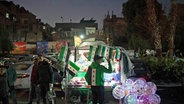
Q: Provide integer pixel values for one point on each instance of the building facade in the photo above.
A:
(67, 31)
(113, 29)
(22, 24)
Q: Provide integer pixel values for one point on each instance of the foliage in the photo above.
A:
(135, 14)
(167, 69)
(5, 44)
(138, 43)
(120, 41)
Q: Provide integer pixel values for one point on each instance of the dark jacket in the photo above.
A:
(44, 72)
(3, 82)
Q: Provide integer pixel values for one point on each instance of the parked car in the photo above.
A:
(141, 69)
(24, 69)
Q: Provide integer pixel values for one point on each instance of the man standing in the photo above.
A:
(12, 76)
(45, 78)
(34, 90)
(95, 78)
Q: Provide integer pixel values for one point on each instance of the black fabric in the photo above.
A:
(44, 73)
(44, 89)
(3, 87)
(88, 75)
(96, 57)
(97, 94)
(34, 92)
(4, 100)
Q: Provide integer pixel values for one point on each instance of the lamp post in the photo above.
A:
(82, 36)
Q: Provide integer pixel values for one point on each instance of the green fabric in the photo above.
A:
(110, 52)
(74, 66)
(62, 54)
(117, 53)
(81, 74)
(98, 50)
(90, 53)
(103, 50)
(125, 64)
(100, 70)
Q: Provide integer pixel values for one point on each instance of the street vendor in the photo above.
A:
(95, 78)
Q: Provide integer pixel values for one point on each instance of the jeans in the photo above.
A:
(34, 91)
(13, 94)
(44, 87)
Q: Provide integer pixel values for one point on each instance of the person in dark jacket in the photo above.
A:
(12, 76)
(3, 85)
(45, 78)
(34, 90)
(95, 78)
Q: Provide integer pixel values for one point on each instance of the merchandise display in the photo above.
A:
(136, 91)
(77, 65)
(110, 79)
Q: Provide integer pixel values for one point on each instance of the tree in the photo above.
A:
(172, 27)
(136, 16)
(179, 36)
(154, 27)
(5, 44)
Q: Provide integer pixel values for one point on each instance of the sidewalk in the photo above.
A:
(169, 85)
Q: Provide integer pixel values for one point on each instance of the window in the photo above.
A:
(7, 15)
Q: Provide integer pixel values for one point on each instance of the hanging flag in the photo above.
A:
(110, 52)
(118, 54)
(63, 53)
(90, 53)
(127, 65)
(98, 50)
(73, 67)
(103, 50)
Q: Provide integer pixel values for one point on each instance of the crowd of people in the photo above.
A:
(41, 80)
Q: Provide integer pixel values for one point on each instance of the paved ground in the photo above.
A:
(169, 95)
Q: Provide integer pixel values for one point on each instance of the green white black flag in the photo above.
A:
(63, 53)
(73, 67)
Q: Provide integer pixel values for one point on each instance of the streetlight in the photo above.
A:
(82, 36)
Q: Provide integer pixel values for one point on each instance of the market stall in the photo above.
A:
(77, 89)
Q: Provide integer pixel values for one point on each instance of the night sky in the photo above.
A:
(51, 11)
